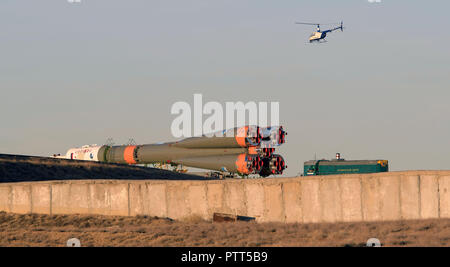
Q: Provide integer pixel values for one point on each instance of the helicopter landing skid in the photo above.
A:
(318, 42)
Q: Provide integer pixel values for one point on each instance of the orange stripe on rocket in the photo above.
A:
(128, 155)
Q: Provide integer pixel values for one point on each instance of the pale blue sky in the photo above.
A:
(74, 74)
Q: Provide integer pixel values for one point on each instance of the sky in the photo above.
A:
(79, 73)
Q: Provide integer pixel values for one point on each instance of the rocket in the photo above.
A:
(243, 150)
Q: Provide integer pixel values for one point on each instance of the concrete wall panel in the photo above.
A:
(61, 199)
(154, 197)
(429, 200)
(351, 199)
(21, 199)
(119, 202)
(215, 197)
(389, 197)
(371, 206)
(99, 200)
(409, 197)
(136, 198)
(40, 198)
(177, 201)
(235, 199)
(255, 200)
(311, 208)
(292, 202)
(198, 201)
(330, 200)
(444, 196)
(5, 194)
(79, 199)
(273, 202)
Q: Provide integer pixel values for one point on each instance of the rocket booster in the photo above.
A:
(245, 150)
(241, 163)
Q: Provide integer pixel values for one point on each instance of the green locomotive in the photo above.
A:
(342, 166)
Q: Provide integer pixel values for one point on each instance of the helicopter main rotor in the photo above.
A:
(317, 24)
(308, 23)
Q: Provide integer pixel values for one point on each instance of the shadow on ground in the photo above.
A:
(15, 168)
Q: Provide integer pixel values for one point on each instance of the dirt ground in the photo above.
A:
(45, 230)
(15, 168)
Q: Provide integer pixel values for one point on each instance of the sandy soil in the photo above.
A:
(45, 230)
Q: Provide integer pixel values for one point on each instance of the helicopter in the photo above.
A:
(319, 36)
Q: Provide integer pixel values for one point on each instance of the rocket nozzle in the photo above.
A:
(273, 165)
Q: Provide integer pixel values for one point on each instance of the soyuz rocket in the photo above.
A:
(243, 150)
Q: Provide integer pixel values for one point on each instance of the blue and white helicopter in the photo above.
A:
(319, 36)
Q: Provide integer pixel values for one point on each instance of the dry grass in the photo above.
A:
(45, 230)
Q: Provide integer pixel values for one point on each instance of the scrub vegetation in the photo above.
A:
(55, 230)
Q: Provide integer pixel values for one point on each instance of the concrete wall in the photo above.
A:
(370, 197)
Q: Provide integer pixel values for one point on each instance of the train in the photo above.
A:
(342, 166)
